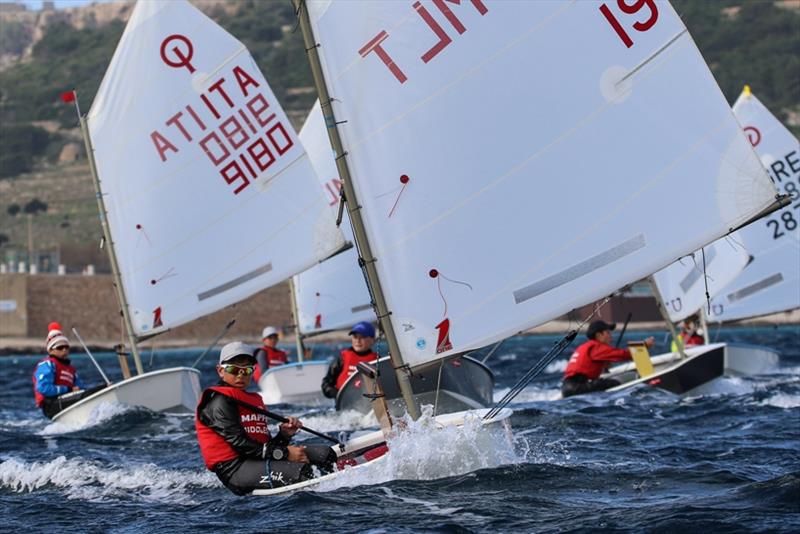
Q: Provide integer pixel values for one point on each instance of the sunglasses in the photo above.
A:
(239, 370)
(61, 347)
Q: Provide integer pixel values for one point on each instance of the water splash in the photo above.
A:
(87, 480)
(424, 450)
(103, 412)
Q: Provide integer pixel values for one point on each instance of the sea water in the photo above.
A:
(638, 460)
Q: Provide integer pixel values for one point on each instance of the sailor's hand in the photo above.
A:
(75, 388)
(649, 341)
(291, 427)
(297, 454)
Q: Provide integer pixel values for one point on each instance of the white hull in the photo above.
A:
(501, 420)
(167, 390)
(295, 383)
(702, 365)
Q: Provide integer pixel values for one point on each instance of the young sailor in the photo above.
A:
(589, 360)
(362, 337)
(234, 439)
(269, 356)
(56, 384)
(689, 336)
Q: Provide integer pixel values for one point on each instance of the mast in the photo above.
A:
(298, 337)
(112, 256)
(665, 315)
(355, 213)
(704, 325)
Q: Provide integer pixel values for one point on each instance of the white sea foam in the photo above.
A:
(103, 412)
(782, 400)
(344, 420)
(82, 479)
(531, 394)
(557, 366)
(423, 451)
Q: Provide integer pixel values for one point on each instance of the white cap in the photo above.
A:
(269, 331)
(55, 338)
(234, 349)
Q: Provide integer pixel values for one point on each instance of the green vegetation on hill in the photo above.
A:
(753, 42)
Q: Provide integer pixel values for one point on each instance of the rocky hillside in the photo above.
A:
(43, 53)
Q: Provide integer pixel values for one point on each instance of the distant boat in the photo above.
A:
(205, 193)
(770, 283)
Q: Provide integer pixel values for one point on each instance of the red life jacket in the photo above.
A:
(64, 376)
(275, 357)
(349, 361)
(213, 447)
(591, 359)
(691, 340)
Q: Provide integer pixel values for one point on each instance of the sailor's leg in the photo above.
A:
(261, 474)
(322, 457)
(602, 384)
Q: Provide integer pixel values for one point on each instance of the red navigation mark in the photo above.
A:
(443, 343)
(157, 318)
(403, 180)
(184, 58)
(753, 135)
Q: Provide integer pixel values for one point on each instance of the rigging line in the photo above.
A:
(705, 280)
(542, 364)
(438, 388)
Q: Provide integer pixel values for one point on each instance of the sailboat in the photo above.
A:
(502, 163)
(333, 296)
(682, 291)
(770, 283)
(201, 184)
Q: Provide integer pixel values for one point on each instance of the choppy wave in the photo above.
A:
(77, 478)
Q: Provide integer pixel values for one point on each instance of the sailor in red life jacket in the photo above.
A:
(56, 384)
(269, 356)
(362, 337)
(235, 441)
(589, 360)
(689, 336)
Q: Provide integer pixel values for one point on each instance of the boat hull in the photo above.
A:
(702, 365)
(294, 383)
(176, 390)
(463, 384)
(372, 440)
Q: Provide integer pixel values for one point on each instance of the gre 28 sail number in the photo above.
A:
(786, 172)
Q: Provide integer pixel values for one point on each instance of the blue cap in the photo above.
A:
(364, 328)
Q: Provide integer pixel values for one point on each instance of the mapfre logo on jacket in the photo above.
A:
(213, 447)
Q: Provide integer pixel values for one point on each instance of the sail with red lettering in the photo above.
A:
(771, 281)
(516, 160)
(331, 295)
(210, 195)
(687, 285)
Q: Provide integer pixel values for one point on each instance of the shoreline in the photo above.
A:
(23, 346)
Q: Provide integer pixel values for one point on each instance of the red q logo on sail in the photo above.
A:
(181, 55)
(753, 135)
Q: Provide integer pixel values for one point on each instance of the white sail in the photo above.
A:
(331, 295)
(516, 160)
(683, 284)
(771, 282)
(210, 196)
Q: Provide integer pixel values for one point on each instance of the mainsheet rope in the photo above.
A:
(540, 365)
